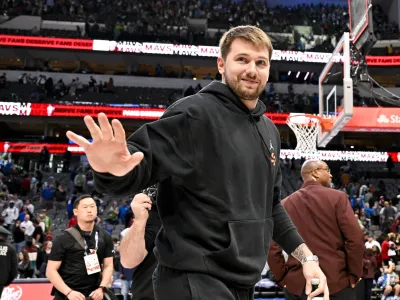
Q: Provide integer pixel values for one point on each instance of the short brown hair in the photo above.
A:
(250, 33)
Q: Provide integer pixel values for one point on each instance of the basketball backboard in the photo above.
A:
(361, 25)
(336, 91)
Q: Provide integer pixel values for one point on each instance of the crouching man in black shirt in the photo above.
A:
(81, 260)
(138, 243)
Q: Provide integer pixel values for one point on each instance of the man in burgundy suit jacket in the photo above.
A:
(326, 221)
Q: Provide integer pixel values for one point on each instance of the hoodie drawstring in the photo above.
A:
(237, 294)
(263, 143)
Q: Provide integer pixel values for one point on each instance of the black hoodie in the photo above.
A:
(219, 177)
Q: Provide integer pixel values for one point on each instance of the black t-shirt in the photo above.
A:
(60, 196)
(18, 235)
(39, 230)
(73, 270)
(142, 284)
(13, 186)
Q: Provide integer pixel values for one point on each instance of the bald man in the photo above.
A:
(325, 219)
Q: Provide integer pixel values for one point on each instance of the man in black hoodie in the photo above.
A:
(216, 159)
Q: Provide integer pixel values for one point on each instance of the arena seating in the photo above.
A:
(138, 21)
(147, 96)
(155, 97)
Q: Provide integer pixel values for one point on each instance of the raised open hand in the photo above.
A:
(108, 153)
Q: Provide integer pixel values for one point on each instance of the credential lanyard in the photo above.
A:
(97, 242)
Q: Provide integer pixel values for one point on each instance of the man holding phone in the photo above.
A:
(137, 245)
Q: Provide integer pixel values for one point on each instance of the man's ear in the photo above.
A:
(314, 176)
(221, 65)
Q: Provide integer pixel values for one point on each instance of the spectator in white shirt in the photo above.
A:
(29, 206)
(371, 242)
(27, 226)
(10, 215)
(363, 189)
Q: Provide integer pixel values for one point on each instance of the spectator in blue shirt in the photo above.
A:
(105, 227)
(368, 210)
(357, 203)
(22, 214)
(48, 196)
(123, 209)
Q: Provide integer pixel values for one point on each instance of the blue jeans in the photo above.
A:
(125, 287)
(19, 246)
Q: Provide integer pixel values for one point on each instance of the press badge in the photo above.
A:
(91, 260)
(92, 264)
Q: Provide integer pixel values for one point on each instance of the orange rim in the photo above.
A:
(325, 123)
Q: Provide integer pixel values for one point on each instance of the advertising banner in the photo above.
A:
(374, 119)
(372, 156)
(11, 147)
(171, 49)
(45, 42)
(28, 291)
(380, 119)
(79, 111)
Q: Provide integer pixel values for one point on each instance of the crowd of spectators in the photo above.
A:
(379, 216)
(35, 206)
(30, 226)
(166, 21)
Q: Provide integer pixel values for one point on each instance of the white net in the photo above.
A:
(306, 130)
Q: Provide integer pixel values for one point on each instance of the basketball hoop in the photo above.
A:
(306, 128)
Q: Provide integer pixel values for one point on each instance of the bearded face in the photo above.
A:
(245, 70)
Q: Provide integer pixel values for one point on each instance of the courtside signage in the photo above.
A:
(11, 147)
(171, 49)
(45, 42)
(381, 119)
(79, 111)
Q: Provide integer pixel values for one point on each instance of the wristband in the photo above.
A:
(68, 293)
(309, 258)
